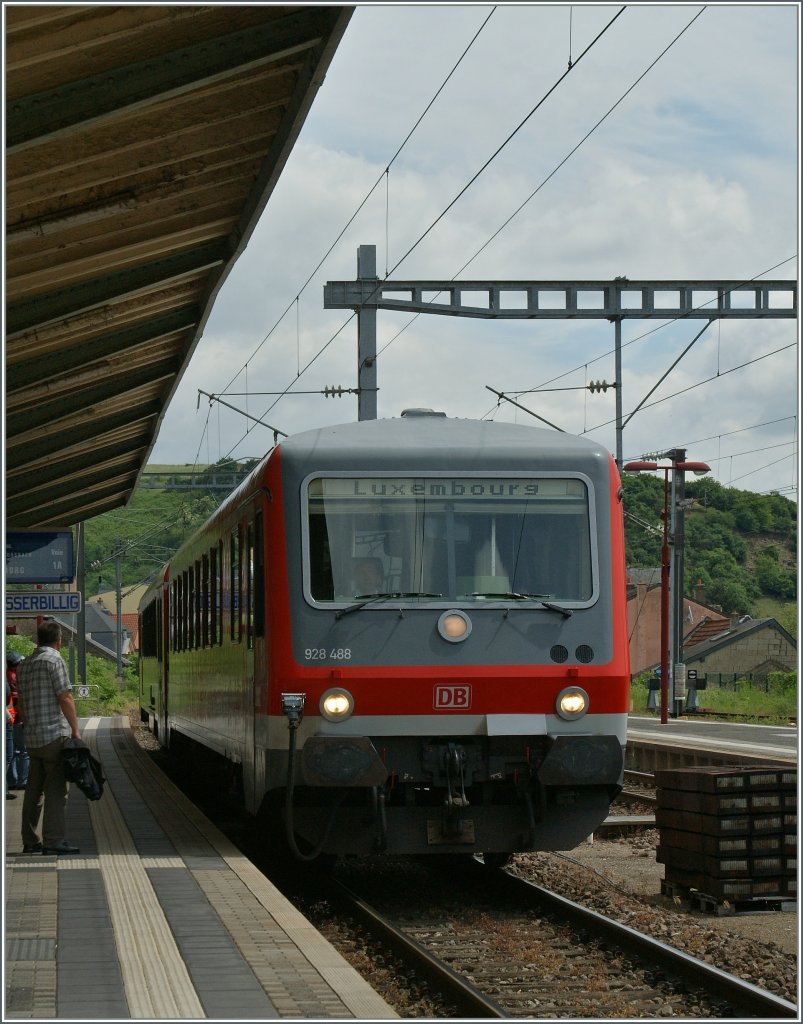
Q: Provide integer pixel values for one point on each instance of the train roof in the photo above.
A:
(430, 435)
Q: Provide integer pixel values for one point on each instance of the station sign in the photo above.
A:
(34, 556)
(42, 602)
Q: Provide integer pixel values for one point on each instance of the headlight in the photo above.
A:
(572, 703)
(454, 626)
(336, 705)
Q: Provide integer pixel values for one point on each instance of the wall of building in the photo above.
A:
(750, 653)
(644, 625)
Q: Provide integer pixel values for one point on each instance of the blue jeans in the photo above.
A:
(21, 761)
(9, 752)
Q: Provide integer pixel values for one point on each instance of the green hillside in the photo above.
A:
(150, 528)
(741, 546)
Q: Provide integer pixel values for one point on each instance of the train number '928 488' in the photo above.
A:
(404, 636)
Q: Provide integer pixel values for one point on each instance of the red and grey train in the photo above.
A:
(408, 635)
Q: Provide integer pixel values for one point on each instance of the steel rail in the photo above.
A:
(743, 996)
(452, 987)
(634, 796)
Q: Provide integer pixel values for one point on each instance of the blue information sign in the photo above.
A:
(39, 557)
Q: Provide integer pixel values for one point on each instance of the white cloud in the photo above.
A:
(693, 176)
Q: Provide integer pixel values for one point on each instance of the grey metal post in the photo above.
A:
(81, 581)
(118, 583)
(366, 339)
(678, 541)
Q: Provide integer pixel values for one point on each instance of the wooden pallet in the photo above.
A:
(727, 908)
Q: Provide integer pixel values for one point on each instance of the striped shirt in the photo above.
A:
(40, 678)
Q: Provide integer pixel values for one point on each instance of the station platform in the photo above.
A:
(159, 916)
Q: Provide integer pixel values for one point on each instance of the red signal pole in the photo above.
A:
(665, 606)
(699, 468)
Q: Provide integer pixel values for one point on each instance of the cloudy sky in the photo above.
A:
(692, 176)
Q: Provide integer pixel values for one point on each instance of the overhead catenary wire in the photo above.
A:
(187, 512)
(708, 380)
(288, 391)
(753, 472)
(509, 139)
(740, 430)
(719, 373)
(301, 371)
(365, 199)
(552, 173)
(653, 330)
(663, 377)
(588, 134)
(462, 192)
(718, 437)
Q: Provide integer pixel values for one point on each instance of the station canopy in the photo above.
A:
(142, 145)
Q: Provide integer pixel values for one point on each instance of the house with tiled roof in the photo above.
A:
(753, 647)
(131, 597)
(644, 618)
(714, 644)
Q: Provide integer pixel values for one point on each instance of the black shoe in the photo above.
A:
(11, 796)
(32, 848)
(61, 848)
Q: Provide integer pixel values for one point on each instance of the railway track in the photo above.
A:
(494, 945)
(639, 788)
(470, 979)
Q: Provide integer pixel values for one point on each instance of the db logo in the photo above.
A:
(453, 697)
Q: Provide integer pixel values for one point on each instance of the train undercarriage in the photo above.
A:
(481, 795)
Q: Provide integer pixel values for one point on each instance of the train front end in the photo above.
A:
(452, 675)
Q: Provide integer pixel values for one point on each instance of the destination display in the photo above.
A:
(39, 557)
(499, 488)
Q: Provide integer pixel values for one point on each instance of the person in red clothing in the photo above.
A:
(11, 715)
(20, 761)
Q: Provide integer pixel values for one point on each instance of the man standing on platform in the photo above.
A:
(47, 710)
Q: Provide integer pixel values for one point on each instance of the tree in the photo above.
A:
(730, 595)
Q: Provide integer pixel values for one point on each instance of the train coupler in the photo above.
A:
(450, 829)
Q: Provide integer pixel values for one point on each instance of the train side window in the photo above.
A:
(182, 642)
(148, 643)
(199, 605)
(191, 608)
(219, 592)
(191, 600)
(180, 614)
(189, 587)
(173, 607)
(249, 600)
(213, 597)
(259, 577)
(205, 601)
(234, 569)
(157, 628)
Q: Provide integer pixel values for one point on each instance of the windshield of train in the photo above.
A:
(466, 539)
